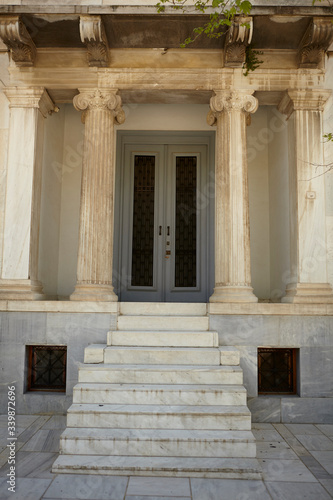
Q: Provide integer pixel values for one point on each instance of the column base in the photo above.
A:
(11, 289)
(308, 293)
(233, 294)
(94, 293)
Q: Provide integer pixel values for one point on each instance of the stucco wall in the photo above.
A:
(70, 200)
(51, 203)
(258, 165)
(279, 204)
(4, 124)
(328, 148)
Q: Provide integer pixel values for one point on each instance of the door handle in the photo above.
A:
(160, 230)
(168, 230)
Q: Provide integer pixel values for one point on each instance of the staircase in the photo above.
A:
(161, 398)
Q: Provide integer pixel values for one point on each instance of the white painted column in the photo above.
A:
(94, 267)
(19, 275)
(229, 112)
(308, 250)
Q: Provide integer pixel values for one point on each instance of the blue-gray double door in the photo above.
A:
(164, 230)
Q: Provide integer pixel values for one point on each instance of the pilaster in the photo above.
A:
(94, 267)
(307, 197)
(229, 111)
(28, 109)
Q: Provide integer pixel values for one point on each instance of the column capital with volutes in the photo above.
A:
(228, 101)
(100, 99)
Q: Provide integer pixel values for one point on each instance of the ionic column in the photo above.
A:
(19, 270)
(94, 267)
(232, 228)
(308, 254)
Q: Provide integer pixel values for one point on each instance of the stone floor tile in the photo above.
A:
(314, 466)
(31, 430)
(327, 429)
(228, 489)
(88, 487)
(267, 435)
(297, 491)
(167, 486)
(44, 440)
(56, 422)
(3, 420)
(328, 485)
(4, 434)
(32, 464)
(315, 442)
(262, 425)
(305, 429)
(140, 497)
(26, 489)
(325, 458)
(27, 420)
(285, 470)
(4, 457)
(291, 440)
(275, 449)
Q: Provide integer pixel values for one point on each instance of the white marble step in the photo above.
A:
(222, 468)
(159, 394)
(172, 323)
(159, 416)
(162, 374)
(163, 338)
(162, 355)
(156, 442)
(162, 309)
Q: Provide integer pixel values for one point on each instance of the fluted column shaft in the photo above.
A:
(232, 228)
(308, 254)
(94, 266)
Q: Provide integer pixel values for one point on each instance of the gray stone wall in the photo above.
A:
(312, 335)
(19, 329)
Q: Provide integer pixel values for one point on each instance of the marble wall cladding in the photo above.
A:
(249, 364)
(246, 330)
(265, 409)
(274, 331)
(313, 336)
(19, 329)
(307, 410)
(316, 367)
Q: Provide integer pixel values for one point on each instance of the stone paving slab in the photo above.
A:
(297, 463)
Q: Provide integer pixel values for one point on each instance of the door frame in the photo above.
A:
(206, 197)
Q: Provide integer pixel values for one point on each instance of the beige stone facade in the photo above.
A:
(268, 190)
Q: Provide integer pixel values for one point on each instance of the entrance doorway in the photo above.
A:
(164, 230)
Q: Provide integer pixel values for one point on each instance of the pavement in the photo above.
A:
(296, 459)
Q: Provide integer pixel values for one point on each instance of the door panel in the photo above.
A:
(164, 252)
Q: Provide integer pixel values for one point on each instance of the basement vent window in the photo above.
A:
(47, 368)
(277, 371)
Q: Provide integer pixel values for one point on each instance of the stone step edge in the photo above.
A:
(94, 353)
(179, 435)
(163, 308)
(221, 410)
(111, 386)
(172, 338)
(158, 368)
(227, 468)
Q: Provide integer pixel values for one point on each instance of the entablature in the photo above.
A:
(149, 85)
